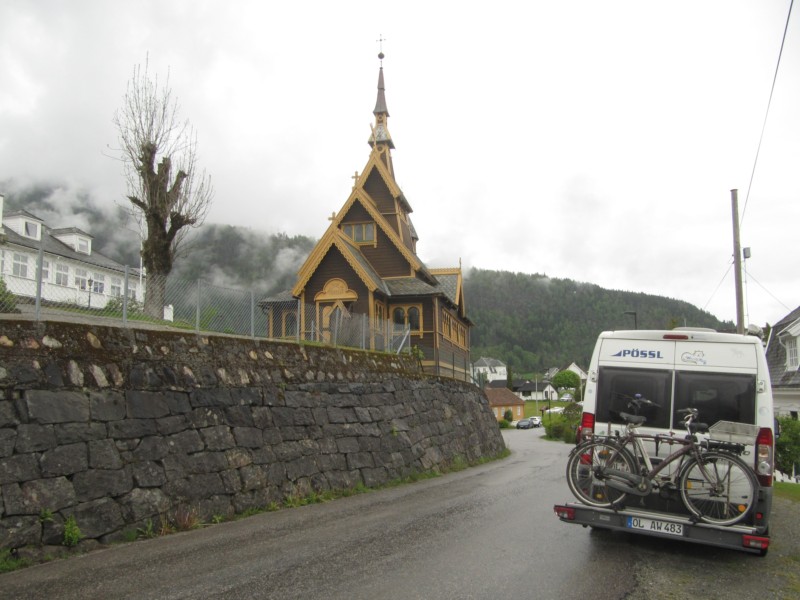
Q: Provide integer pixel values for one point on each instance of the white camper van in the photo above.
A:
(724, 376)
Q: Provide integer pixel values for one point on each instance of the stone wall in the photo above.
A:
(120, 427)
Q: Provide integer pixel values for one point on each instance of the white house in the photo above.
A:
(578, 371)
(783, 359)
(536, 390)
(72, 271)
(489, 369)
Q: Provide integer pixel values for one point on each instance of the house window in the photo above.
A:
(791, 353)
(32, 230)
(45, 270)
(83, 245)
(20, 265)
(115, 289)
(131, 290)
(407, 317)
(98, 283)
(82, 279)
(62, 275)
(361, 233)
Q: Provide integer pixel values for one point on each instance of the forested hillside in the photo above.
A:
(237, 257)
(530, 322)
(533, 322)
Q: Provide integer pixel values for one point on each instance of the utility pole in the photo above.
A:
(737, 263)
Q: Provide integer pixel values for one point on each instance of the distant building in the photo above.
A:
(73, 272)
(503, 399)
(365, 269)
(489, 369)
(783, 359)
(536, 390)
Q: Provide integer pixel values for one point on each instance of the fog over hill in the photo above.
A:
(530, 321)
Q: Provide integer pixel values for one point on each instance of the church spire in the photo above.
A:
(380, 132)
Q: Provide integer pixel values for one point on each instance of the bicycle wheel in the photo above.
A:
(719, 489)
(585, 472)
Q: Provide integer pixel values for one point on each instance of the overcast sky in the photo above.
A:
(595, 141)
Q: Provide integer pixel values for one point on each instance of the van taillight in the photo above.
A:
(586, 429)
(765, 457)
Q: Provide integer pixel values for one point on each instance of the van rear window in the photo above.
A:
(616, 386)
(717, 396)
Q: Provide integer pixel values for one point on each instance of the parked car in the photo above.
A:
(567, 398)
(537, 422)
(526, 423)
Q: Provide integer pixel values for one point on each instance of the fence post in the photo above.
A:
(125, 297)
(252, 313)
(300, 318)
(39, 265)
(197, 310)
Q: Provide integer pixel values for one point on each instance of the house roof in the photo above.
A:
(21, 213)
(53, 246)
(532, 386)
(776, 352)
(488, 362)
(66, 230)
(502, 397)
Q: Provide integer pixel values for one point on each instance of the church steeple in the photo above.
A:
(380, 131)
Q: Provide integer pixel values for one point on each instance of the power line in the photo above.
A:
(766, 115)
(770, 293)
(716, 289)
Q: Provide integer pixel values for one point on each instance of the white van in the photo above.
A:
(724, 376)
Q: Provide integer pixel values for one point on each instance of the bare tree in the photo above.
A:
(167, 193)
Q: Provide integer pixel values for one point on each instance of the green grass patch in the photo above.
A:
(9, 562)
(790, 491)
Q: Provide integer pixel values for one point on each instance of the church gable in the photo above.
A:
(336, 274)
(380, 194)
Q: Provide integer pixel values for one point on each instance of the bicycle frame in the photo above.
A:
(688, 447)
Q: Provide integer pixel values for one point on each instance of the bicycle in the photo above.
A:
(715, 485)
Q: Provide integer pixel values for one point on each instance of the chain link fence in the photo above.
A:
(131, 298)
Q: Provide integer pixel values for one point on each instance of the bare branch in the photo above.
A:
(167, 192)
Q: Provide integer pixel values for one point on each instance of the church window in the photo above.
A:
(408, 317)
(360, 233)
(290, 324)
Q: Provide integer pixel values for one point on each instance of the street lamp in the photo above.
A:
(632, 312)
(90, 293)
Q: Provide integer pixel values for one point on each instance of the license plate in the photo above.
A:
(655, 526)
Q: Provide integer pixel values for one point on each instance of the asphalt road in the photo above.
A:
(486, 532)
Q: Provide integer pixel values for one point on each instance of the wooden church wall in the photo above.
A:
(333, 266)
(386, 258)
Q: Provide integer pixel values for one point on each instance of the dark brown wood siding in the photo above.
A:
(357, 214)
(385, 258)
(379, 192)
(333, 266)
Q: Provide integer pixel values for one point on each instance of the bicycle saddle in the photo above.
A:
(632, 419)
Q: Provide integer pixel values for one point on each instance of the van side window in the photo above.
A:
(717, 396)
(615, 387)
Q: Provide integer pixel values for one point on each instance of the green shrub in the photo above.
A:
(787, 446)
(504, 424)
(8, 302)
(72, 533)
(508, 415)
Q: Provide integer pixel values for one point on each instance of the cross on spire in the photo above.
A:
(380, 41)
(354, 177)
